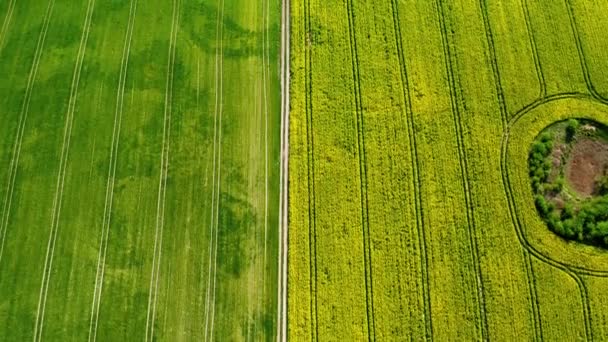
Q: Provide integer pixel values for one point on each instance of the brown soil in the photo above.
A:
(588, 162)
(556, 157)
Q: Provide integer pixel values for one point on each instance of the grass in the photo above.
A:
(410, 209)
(141, 147)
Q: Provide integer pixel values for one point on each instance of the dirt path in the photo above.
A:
(284, 174)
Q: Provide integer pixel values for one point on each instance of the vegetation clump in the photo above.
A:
(568, 165)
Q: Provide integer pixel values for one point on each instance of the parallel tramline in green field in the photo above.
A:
(140, 144)
(411, 213)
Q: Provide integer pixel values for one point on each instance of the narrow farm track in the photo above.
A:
(105, 229)
(57, 202)
(162, 186)
(282, 318)
(416, 170)
(16, 151)
(482, 317)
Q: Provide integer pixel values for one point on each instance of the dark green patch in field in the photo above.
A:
(236, 218)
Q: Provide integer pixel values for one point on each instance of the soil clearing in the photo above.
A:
(588, 162)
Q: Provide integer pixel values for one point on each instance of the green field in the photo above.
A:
(139, 191)
(411, 211)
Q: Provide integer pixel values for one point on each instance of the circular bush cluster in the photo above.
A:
(568, 214)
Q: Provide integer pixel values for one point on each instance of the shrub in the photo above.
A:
(571, 129)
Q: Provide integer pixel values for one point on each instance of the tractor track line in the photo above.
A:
(211, 325)
(367, 250)
(312, 206)
(12, 174)
(593, 91)
(6, 23)
(539, 69)
(265, 77)
(581, 53)
(214, 171)
(571, 270)
(537, 323)
(527, 255)
(162, 186)
(409, 117)
(107, 215)
(454, 87)
(493, 61)
(584, 302)
(65, 148)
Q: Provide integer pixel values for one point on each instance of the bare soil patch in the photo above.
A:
(588, 162)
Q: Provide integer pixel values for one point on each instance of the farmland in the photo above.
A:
(411, 214)
(139, 190)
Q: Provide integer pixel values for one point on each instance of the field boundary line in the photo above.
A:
(283, 281)
(13, 166)
(537, 322)
(107, 215)
(65, 149)
(409, 118)
(462, 157)
(164, 169)
(312, 206)
(6, 23)
(367, 250)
